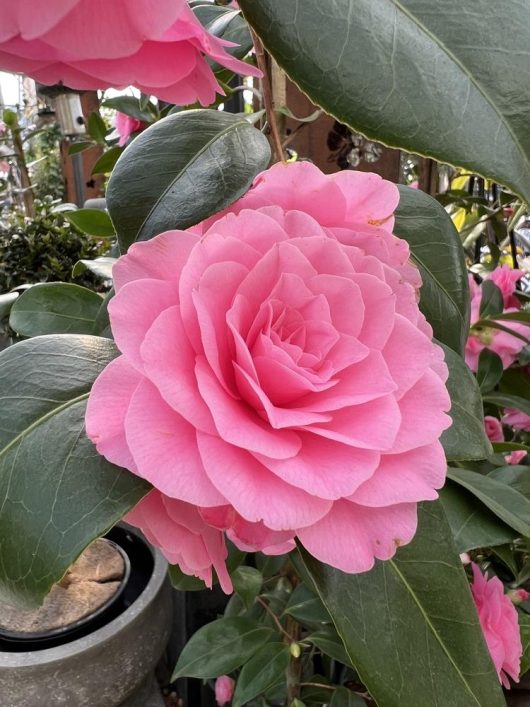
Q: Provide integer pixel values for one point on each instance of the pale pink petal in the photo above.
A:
(370, 200)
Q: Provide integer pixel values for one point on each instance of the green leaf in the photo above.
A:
(56, 493)
(490, 370)
(515, 475)
(515, 382)
(55, 308)
(508, 401)
(131, 106)
(96, 128)
(501, 447)
(6, 302)
(491, 302)
(184, 582)
(507, 503)
(524, 625)
(427, 77)
(102, 267)
(410, 626)
(312, 694)
(437, 251)
(247, 583)
(105, 164)
(328, 641)
(307, 608)
(95, 222)
(342, 697)
(220, 647)
(473, 525)
(261, 672)
(181, 170)
(77, 147)
(494, 324)
(270, 565)
(466, 438)
(228, 24)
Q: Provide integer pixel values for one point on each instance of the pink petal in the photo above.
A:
(370, 199)
(408, 344)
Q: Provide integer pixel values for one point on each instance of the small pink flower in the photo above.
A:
(515, 457)
(224, 690)
(516, 419)
(518, 596)
(493, 429)
(4, 166)
(265, 375)
(500, 626)
(159, 47)
(506, 346)
(506, 278)
(126, 126)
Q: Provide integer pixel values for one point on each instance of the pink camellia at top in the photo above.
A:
(159, 46)
(274, 370)
(500, 626)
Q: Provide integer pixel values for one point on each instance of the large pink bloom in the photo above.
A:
(505, 345)
(156, 45)
(498, 619)
(276, 367)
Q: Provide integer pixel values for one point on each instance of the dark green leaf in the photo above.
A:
(102, 267)
(247, 583)
(328, 641)
(96, 128)
(270, 566)
(77, 147)
(181, 170)
(6, 302)
(507, 503)
(312, 694)
(261, 672)
(515, 475)
(130, 106)
(220, 647)
(343, 697)
(55, 308)
(501, 447)
(307, 608)
(491, 302)
(102, 322)
(228, 24)
(105, 164)
(184, 582)
(520, 316)
(466, 438)
(490, 370)
(515, 382)
(524, 625)
(56, 493)
(508, 401)
(473, 525)
(437, 251)
(410, 625)
(95, 222)
(427, 77)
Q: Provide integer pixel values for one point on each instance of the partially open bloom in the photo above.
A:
(493, 429)
(92, 44)
(498, 619)
(506, 278)
(516, 419)
(515, 457)
(275, 367)
(126, 126)
(224, 690)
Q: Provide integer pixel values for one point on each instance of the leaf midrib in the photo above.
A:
(437, 283)
(41, 420)
(195, 157)
(397, 4)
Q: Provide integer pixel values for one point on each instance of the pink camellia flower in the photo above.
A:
(516, 419)
(500, 626)
(224, 690)
(515, 457)
(95, 44)
(506, 279)
(493, 429)
(126, 126)
(506, 346)
(274, 369)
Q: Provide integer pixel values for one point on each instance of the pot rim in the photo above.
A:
(100, 636)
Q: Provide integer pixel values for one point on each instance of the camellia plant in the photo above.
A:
(276, 389)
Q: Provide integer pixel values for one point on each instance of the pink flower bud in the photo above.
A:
(224, 689)
(517, 596)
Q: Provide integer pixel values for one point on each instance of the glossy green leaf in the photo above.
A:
(130, 106)
(508, 401)
(342, 697)
(466, 438)
(55, 308)
(473, 525)
(77, 147)
(515, 475)
(6, 302)
(95, 222)
(491, 302)
(490, 370)
(437, 251)
(328, 641)
(427, 77)
(312, 694)
(515, 382)
(181, 170)
(524, 625)
(413, 642)
(507, 503)
(261, 672)
(307, 608)
(56, 493)
(220, 647)
(102, 267)
(106, 163)
(96, 127)
(228, 24)
(247, 583)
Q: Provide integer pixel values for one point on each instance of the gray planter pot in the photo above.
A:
(109, 667)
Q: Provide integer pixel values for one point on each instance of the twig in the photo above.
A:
(276, 620)
(268, 101)
(318, 684)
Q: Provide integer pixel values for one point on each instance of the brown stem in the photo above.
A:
(318, 684)
(268, 100)
(294, 669)
(276, 620)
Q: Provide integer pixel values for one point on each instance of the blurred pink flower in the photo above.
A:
(94, 44)
(493, 429)
(516, 419)
(4, 166)
(506, 346)
(224, 690)
(515, 457)
(518, 596)
(500, 626)
(506, 279)
(126, 126)
(249, 390)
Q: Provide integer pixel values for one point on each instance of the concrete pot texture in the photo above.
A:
(110, 667)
